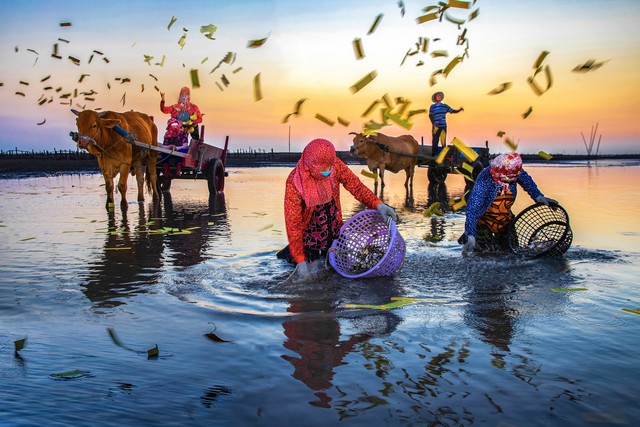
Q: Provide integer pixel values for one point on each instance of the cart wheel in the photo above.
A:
(436, 175)
(215, 176)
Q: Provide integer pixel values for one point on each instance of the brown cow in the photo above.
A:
(387, 153)
(115, 155)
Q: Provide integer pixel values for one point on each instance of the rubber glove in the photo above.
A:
(546, 201)
(386, 212)
(469, 246)
(302, 270)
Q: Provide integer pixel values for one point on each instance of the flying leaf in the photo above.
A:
(257, 90)
(183, 40)
(375, 24)
(469, 153)
(360, 84)
(195, 80)
(171, 22)
(357, 48)
(325, 119)
(253, 44)
(208, 30)
(501, 88)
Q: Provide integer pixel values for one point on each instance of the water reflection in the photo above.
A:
(498, 299)
(127, 261)
(437, 193)
(172, 234)
(205, 224)
(321, 341)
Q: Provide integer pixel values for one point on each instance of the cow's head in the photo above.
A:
(362, 145)
(92, 126)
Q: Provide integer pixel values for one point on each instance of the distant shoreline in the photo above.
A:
(81, 161)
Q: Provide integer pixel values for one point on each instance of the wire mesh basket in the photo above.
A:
(541, 230)
(367, 247)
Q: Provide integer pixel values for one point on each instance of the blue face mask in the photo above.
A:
(327, 173)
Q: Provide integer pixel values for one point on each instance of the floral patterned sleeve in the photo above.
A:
(293, 208)
(481, 197)
(354, 186)
(529, 185)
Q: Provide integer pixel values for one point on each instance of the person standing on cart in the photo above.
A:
(438, 116)
(185, 111)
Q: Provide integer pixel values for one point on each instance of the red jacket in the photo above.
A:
(297, 215)
(175, 109)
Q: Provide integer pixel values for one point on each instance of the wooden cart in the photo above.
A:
(201, 161)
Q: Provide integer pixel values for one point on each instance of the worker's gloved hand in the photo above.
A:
(131, 138)
(302, 270)
(469, 246)
(316, 267)
(387, 213)
(546, 201)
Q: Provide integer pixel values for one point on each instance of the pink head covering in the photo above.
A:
(174, 127)
(184, 99)
(505, 169)
(316, 189)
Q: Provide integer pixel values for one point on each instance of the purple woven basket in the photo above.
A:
(367, 247)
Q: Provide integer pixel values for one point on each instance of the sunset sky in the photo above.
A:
(309, 54)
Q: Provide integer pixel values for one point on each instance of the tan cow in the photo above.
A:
(115, 155)
(387, 153)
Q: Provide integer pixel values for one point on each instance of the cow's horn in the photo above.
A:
(102, 114)
(75, 112)
(353, 133)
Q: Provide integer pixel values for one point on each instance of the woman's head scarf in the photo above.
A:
(184, 99)
(174, 127)
(505, 169)
(319, 155)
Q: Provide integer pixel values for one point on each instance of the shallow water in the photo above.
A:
(489, 344)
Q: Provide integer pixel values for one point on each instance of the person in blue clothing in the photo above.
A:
(489, 205)
(438, 116)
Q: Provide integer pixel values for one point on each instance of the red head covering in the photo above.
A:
(505, 169)
(174, 127)
(184, 99)
(319, 155)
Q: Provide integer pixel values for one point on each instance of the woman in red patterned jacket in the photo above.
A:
(185, 111)
(312, 211)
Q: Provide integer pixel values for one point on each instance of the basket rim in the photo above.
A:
(393, 230)
(536, 205)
